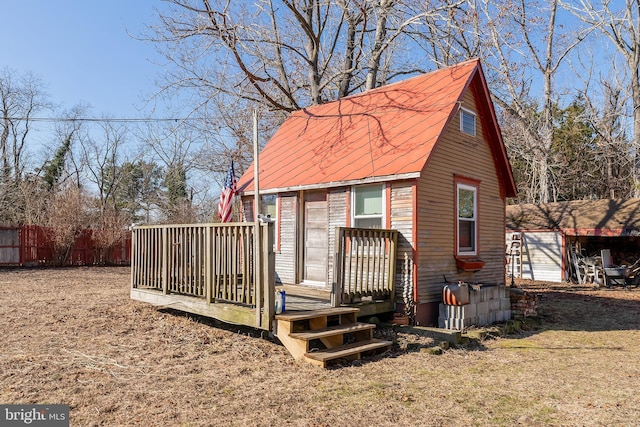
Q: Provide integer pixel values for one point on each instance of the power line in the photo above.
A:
(106, 119)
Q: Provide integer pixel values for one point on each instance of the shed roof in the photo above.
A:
(383, 134)
(608, 217)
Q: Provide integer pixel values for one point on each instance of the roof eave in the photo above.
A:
(505, 171)
(335, 184)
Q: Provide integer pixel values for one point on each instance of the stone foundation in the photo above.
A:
(487, 304)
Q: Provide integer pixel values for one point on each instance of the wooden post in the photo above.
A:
(268, 273)
(338, 265)
(208, 261)
(393, 249)
(164, 246)
(134, 258)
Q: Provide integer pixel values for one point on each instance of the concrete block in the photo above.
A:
(449, 311)
(474, 296)
(448, 324)
(456, 324)
(483, 319)
(494, 305)
(491, 292)
(505, 292)
(482, 308)
(469, 311)
(505, 303)
(456, 312)
(492, 317)
(442, 322)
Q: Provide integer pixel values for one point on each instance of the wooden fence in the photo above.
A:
(32, 245)
(365, 265)
(228, 269)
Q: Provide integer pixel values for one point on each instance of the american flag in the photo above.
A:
(225, 211)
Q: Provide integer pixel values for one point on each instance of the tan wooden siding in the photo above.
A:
(247, 209)
(402, 220)
(463, 155)
(337, 218)
(288, 227)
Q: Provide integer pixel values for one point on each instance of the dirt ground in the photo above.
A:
(73, 336)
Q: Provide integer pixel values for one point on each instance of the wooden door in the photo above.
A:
(316, 238)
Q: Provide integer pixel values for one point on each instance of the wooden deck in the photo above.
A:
(227, 272)
(224, 271)
(303, 298)
(298, 299)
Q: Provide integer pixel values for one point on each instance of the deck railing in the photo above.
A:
(220, 263)
(365, 264)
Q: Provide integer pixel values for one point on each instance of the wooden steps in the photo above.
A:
(321, 336)
(346, 350)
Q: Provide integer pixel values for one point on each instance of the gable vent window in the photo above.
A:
(468, 122)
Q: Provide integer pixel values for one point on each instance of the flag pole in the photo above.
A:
(255, 163)
(258, 278)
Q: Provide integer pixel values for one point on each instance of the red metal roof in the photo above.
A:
(382, 134)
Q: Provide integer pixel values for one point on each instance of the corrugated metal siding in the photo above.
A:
(541, 255)
(458, 154)
(386, 131)
(337, 218)
(286, 256)
(9, 246)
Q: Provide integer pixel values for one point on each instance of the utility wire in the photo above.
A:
(107, 119)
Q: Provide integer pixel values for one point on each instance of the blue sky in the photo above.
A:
(81, 50)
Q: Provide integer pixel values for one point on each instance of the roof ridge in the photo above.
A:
(388, 86)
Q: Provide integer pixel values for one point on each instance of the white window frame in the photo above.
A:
(474, 249)
(382, 215)
(464, 112)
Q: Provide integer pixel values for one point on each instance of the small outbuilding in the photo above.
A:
(555, 238)
(423, 156)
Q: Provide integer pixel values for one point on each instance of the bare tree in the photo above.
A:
(619, 22)
(175, 147)
(453, 33)
(278, 56)
(108, 231)
(528, 46)
(102, 154)
(605, 100)
(67, 216)
(21, 97)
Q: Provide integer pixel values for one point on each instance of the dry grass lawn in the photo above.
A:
(73, 336)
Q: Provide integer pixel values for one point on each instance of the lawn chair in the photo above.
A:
(613, 275)
(593, 271)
